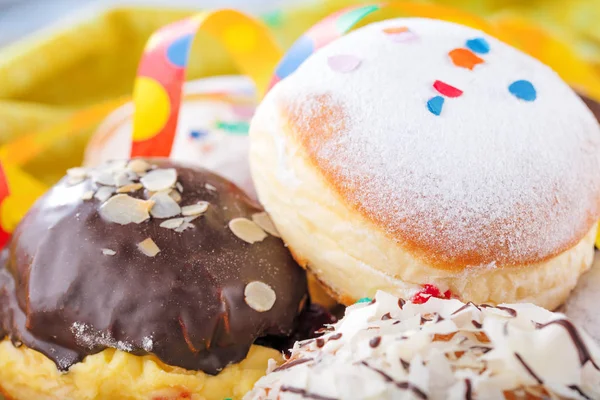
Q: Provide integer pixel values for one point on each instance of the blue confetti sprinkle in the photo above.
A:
(178, 51)
(435, 105)
(478, 45)
(198, 134)
(364, 300)
(523, 90)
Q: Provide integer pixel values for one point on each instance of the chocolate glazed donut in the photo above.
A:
(75, 284)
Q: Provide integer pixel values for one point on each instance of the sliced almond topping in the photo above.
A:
(74, 180)
(124, 209)
(179, 187)
(77, 172)
(195, 209)
(122, 179)
(172, 223)
(263, 220)
(164, 206)
(104, 193)
(175, 195)
(148, 247)
(132, 187)
(104, 177)
(208, 186)
(247, 230)
(259, 296)
(108, 252)
(186, 224)
(159, 179)
(87, 195)
(138, 166)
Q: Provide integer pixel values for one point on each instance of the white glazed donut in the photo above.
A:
(416, 152)
(443, 349)
(212, 130)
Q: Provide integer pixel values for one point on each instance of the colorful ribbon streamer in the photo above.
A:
(18, 192)
(339, 23)
(161, 74)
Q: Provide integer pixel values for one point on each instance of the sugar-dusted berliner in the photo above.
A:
(144, 280)
(424, 158)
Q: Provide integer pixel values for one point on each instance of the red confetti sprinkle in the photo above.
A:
(464, 58)
(447, 90)
(428, 292)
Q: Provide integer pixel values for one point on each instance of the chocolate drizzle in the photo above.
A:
(400, 385)
(293, 363)
(305, 394)
(582, 349)
(529, 370)
(60, 295)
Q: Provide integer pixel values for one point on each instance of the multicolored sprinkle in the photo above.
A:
(435, 104)
(478, 45)
(523, 90)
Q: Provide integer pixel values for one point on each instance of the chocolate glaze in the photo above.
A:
(185, 305)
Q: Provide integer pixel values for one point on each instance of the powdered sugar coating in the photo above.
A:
(443, 349)
(493, 180)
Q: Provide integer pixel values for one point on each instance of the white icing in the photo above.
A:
(223, 153)
(492, 175)
(440, 355)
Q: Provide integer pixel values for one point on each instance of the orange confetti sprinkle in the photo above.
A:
(395, 29)
(465, 58)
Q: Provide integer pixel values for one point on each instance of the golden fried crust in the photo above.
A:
(313, 130)
(26, 374)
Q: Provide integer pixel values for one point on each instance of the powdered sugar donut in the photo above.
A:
(443, 349)
(212, 130)
(417, 152)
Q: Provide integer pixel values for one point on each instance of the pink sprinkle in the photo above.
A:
(404, 37)
(343, 63)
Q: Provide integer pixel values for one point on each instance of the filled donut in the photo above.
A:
(426, 158)
(145, 279)
(442, 349)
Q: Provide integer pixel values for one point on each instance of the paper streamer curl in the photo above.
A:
(161, 73)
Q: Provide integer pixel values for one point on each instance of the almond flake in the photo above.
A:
(172, 223)
(263, 220)
(210, 187)
(184, 226)
(259, 296)
(195, 209)
(132, 187)
(175, 195)
(122, 179)
(104, 177)
(138, 166)
(77, 172)
(164, 206)
(124, 209)
(108, 252)
(74, 180)
(247, 230)
(179, 187)
(148, 247)
(87, 195)
(104, 193)
(159, 179)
